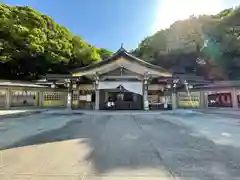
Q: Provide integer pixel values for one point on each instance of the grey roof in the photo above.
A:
(19, 84)
(223, 84)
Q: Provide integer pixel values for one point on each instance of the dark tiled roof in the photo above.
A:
(224, 84)
(55, 77)
(60, 79)
(120, 53)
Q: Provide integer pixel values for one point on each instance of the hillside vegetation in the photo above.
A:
(32, 44)
(214, 40)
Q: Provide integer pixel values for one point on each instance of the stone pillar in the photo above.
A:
(145, 95)
(69, 96)
(97, 99)
(40, 98)
(174, 96)
(202, 100)
(174, 93)
(78, 94)
(174, 100)
(97, 93)
(8, 99)
(206, 99)
(234, 98)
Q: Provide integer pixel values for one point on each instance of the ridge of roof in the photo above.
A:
(97, 63)
(121, 53)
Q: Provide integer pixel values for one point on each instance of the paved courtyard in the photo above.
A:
(121, 145)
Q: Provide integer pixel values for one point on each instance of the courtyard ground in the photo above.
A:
(181, 144)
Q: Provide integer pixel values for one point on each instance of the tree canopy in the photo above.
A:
(32, 44)
(214, 39)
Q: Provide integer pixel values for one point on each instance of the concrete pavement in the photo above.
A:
(117, 146)
(13, 113)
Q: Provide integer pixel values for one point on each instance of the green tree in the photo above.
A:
(185, 41)
(104, 53)
(32, 44)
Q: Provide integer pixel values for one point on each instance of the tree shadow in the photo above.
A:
(140, 142)
(191, 155)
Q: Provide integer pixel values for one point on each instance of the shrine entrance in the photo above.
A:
(121, 99)
(125, 80)
(121, 95)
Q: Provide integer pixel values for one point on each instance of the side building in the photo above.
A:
(17, 94)
(127, 81)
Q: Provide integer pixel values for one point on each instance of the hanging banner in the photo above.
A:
(89, 98)
(135, 87)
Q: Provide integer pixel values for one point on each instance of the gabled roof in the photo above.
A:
(121, 53)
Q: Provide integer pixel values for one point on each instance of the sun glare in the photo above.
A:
(172, 10)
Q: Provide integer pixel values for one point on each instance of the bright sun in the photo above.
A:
(172, 10)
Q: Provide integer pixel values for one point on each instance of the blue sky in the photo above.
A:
(108, 23)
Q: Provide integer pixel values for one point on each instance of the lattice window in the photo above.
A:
(85, 92)
(52, 96)
(75, 97)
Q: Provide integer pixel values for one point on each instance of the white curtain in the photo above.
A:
(135, 87)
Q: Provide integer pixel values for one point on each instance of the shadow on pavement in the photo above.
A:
(189, 154)
(136, 142)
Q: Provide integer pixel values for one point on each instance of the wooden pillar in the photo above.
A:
(69, 96)
(106, 96)
(8, 99)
